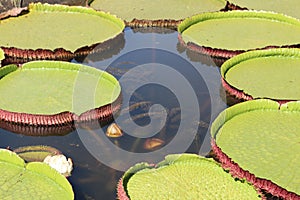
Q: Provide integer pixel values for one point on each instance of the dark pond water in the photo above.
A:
(169, 94)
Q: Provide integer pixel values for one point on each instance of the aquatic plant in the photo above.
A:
(69, 31)
(182, 176)
(271, 74)
(287, 7)
(258, 141)
(34, 180)
(57, 93)
(226, 34)
(138, 13)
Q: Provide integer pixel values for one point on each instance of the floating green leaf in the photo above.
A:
(240, 30)
(157, 10)
(288, 7)
(185, 176)
(263, 139)
(53, 87)
(31, 181)
(269, 74)
(53, 27)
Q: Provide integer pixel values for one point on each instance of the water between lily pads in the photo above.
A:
(171, 94)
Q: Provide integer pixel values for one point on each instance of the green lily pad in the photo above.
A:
(156, 10)
(288, 7)
(31, 181)
(185, 176)
(225, 34)
(263, 139)
(59, 29)
(43, 92)
(271, 74)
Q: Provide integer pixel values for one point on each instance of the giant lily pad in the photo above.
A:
(155, 12)
(34, 180)
(57, 32)
(288, 7)
(185, 176)
(226, 34)
(55, 92)
(259, 140)
(272, 74)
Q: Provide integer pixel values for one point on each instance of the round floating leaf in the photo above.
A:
(259, 140)
(53, 92)
(153, 13)
(185, 176)
(31, 181)
(57, 31)
(288, 7)
(272, 74)
(225, 34)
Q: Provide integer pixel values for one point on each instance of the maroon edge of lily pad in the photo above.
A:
(37, 130)
(259, 183)
(164, 23)
(231, 6)
(17, 56)
(122, 195)
(218, 53)
(223, 53)
(121, 191)
(239, 94)
(103, 113)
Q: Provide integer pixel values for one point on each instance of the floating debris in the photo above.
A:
(153, 143)
(114, 131)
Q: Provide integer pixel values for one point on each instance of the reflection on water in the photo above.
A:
(37, 131)
(150, 50)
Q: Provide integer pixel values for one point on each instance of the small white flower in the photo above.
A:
(60, 163)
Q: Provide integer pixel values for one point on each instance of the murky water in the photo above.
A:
(169, 94)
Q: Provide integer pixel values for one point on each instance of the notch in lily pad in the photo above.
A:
(55, 93)
(60, 32)
(270, 74)
(227, 34)
(182, 176)
(258, 141)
